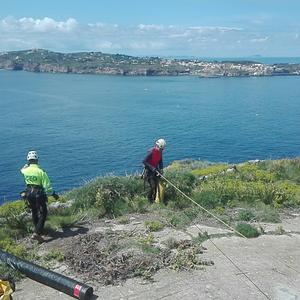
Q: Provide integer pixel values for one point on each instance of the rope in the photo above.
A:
(235, 265)
(203, 208)
(214, 244)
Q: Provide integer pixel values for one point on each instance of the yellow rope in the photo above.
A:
(218, 248)
(203, 208)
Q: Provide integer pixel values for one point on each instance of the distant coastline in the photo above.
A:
(44, 61)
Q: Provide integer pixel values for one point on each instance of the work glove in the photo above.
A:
(55, 196)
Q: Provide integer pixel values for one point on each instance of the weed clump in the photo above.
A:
(123, 220)
(247, 230)
(154, 225)
(111, 195)
(246, 215)
(112, 257)
(54, 254)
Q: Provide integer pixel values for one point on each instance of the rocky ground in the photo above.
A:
(108, 256)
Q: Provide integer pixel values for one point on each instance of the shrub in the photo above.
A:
(188, 259)
(182, 218)
(284, 169)
(247, 230)
(54, 254)
(137, 204)
(201, 237)
(9, 245)
(109, 195)
(187, 165)
(55, 222)
(171, 243)
(123, 220)
(14, 216)
(214, 169)
(224, 191)
(266, 213)
(154, 225)
(183, 181)
(252, 172)
(246, 215)
(280, 230)
(8, 271)
(207, 198)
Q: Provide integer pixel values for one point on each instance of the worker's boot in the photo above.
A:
(38, 238)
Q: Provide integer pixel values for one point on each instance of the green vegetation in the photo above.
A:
(154, 225)
(113, 196)
(123, 220)
(247, 230)
(202, 237)
(246, 215)
(39, 60)
(54, 254)
(255, 192)
(13, 226)
(210, 170)
(252, 184)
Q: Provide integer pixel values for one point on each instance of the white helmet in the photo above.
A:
(32, 155)
(161, 144)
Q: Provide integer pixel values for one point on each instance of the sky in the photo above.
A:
(183, 28)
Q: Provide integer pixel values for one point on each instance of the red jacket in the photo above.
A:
(153, 160)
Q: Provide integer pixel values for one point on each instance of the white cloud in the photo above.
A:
(29, 25)
(151, 27)
(142, 39)
(260, 40)
(215, 28)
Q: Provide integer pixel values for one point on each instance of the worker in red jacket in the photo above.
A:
(153, 163)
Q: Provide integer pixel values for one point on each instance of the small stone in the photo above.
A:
(136, 223)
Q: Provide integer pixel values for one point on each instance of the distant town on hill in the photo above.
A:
(40, 60)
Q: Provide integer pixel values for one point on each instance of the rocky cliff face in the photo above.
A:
(99, 63)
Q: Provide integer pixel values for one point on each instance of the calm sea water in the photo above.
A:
(85, 126)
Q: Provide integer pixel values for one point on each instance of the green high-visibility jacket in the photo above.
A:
(35, 175)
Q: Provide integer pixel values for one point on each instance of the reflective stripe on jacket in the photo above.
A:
(35, 175)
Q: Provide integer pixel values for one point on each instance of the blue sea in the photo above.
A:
(84, 126)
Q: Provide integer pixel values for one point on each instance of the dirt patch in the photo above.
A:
(112, 257)
(276, 272)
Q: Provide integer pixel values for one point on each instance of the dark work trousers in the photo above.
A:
(38, 204)
(153, 181)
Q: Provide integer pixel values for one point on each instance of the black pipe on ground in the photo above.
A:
(59, 282)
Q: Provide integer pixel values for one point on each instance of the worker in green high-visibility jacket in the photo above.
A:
(38, 186)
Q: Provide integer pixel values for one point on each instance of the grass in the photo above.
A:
(7, 271)
(246, 215)
(55, 222)
(54, 254)
(210, 170)
(260, 189)
(202, 237)
(123, 220)
(154, 225)
(247, 230)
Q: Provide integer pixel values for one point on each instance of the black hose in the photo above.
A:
(59, 282)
